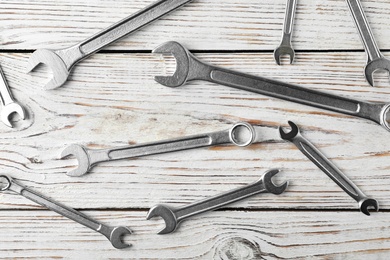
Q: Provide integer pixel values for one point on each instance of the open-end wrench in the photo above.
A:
(10, 106)
(188, 68)
(114, 234)
(173, 216)
(285, 47)
(311, 152)
(62, 61)
(376, 61)
(241, 134)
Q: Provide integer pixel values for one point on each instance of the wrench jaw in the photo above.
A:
(167, 215)
(181, 56)
(52, 60)
(116, 237)
(9, 109)
(284, 50)
(82, 157)
(366, 203)
(372, 66)
(290, 135)
(270, 186)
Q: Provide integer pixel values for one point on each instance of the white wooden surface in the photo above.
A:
(111, 100)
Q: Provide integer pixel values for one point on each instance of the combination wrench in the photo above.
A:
(285, 47)
(188, 68)
(376, 60)
(10, 106)
(241, 134)
(173, 216)
(62, 61)
(113, 234)
(312, 153)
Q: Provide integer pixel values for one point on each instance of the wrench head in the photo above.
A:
(181, 55)
(116, 237)
(366, 203)
(82, 157)
(53, 61)
(167, 215)
(378, 64)
(284, 50)
(290, 135)
(9, 109)
(270, 186)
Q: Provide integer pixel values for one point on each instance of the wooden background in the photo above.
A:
(111, 99)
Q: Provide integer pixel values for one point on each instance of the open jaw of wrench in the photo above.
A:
(311, 152)
(10, 106)
(376, 61)
(173, 216)
(241, 134)
(62, 61)
(285, 47)
(114, 234)
(188, 68)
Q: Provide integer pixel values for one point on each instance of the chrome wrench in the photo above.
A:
(62, 61)
(173, 216)
(376, 61)
(241, 134)
(114, 234)
(188, 68)
(311, 152)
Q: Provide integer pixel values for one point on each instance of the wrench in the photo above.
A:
(10, 106)
(62, 61)
(189, 68)
(311, 152)
(376, 61)
(173, 216)
(114, 234)
(285, 47)
(88, 158)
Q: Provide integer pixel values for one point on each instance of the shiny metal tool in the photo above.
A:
(10, 106)
(114, 234)
(376, 61)
(285, 47)
(188, 68)
(311, 152)
(62, 61)
(241, 134)
(173, 216)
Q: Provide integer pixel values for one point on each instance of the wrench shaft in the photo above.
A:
(6, 96)
(289, 17)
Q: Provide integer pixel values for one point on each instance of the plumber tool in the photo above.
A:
(285, 47)
(188, 68)
(376, 61)
(114, 234)
(10, 106)
(241, 134)
(62, 61)
(311, 152)
(173, 216)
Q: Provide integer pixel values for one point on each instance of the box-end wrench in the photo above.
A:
(114, 234)
(376, 61)
(10, 106)
(173, 216)
(241, 134)
(285, 47)
(311, 152)
(62, 61)
(188, 68)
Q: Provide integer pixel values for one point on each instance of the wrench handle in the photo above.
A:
(289, 16)
(364, 29)
(5, 93)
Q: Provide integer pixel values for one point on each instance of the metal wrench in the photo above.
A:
(241, 134)
(62, 61)
(285, 47)
(311, 152)
(188, 68)
(114, 234)
(376, 61)
(10, 106)
(173, 216)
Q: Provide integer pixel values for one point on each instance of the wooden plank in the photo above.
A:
(215, 235)
(112, 100)
(202, 25)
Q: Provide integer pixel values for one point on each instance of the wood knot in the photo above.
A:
(238, 248)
